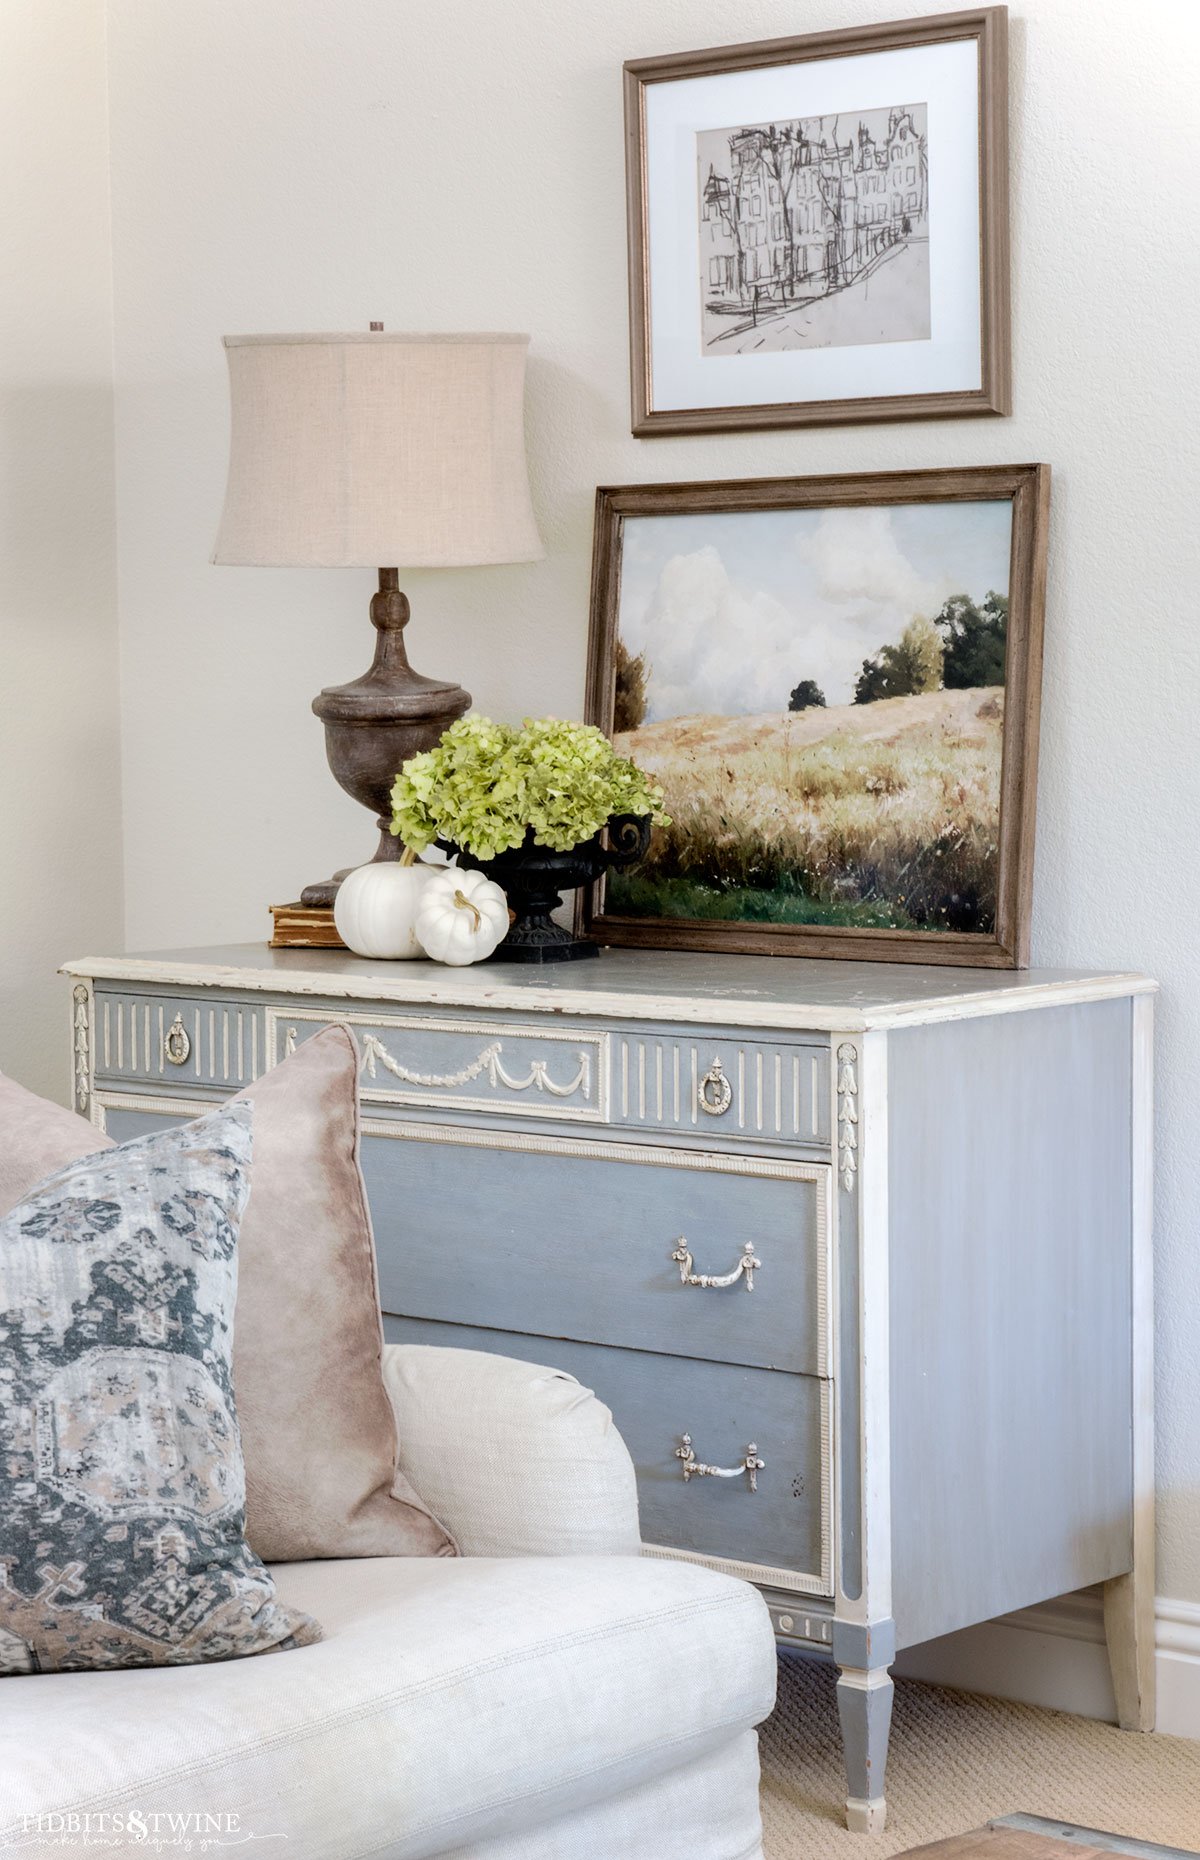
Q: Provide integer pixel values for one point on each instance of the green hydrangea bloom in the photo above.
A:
(485, 783)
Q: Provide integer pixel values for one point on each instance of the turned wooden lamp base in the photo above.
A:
(374, 724)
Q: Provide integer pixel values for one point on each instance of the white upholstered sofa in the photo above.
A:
(550, 1695)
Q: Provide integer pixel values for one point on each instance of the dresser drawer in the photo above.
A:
(575, 1240)
(779, 1532)
(652, 1079)
(729, 1086)
(590, 1240)
(177, 1041)
(466, 1065)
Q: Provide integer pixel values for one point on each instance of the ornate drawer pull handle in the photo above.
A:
(748, 1264)
(696, 1469)
(176, 1044)
(714, 1093)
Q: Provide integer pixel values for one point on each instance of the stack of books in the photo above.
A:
(298, 927)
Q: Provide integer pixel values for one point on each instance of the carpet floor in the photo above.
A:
(955, 1762)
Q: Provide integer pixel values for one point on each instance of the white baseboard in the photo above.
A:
(1054, 1655)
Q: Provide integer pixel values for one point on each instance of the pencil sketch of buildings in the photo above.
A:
(814, 233)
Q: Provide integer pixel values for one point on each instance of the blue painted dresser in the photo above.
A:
(858, 1255)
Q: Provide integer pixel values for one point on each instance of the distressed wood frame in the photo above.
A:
(1028, 489)
(988, 26)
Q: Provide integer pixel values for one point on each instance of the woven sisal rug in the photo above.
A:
(962, 1762)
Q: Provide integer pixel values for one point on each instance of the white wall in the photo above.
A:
(60, 837)
(292, 164)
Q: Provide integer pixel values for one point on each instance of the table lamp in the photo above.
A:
(354, 451)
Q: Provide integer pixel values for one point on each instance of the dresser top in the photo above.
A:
(623, 984)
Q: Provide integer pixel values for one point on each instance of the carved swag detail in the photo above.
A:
(375, 1053)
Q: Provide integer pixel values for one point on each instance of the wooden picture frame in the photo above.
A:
(813, 380)
(1006, 814)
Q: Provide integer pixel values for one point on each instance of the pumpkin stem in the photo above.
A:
(464, 904)
(408, 856)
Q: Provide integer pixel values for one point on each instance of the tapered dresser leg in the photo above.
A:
(1129, 1630)
(865, 1710)
(1129, 1600)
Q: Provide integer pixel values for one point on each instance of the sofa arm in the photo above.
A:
(515, 1460)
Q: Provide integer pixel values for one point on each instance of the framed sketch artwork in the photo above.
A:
(818, 228)
(837, 682)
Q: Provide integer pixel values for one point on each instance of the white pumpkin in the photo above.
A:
(462, 918)
(376, 906)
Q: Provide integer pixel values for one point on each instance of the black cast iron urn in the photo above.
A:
(534, 877)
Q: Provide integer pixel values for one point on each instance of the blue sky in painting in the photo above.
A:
(732, 610)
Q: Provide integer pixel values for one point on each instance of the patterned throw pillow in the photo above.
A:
(122, 1492)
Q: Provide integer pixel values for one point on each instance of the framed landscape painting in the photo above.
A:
(837, 683)
(818, 227)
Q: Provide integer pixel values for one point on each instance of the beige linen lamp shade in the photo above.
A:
(381, 451)
(352, 451)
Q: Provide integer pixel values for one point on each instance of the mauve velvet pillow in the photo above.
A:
(318, 1433)
(317, 1426)
(36, 1138)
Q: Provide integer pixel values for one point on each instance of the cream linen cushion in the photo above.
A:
(518, 1460)
(706, 1810)
(451, 1701)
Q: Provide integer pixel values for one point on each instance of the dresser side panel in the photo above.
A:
(1010, 1235)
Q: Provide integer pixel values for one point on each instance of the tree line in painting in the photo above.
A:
(961, 650)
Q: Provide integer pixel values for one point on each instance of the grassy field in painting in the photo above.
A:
(883, 815)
